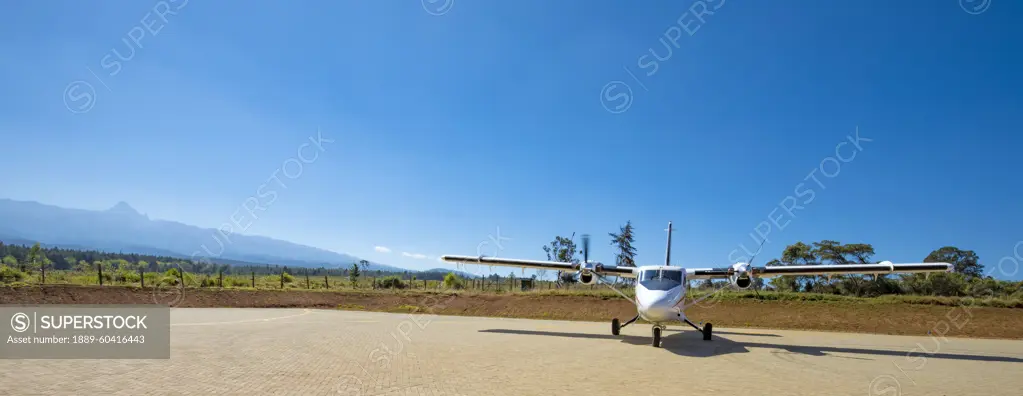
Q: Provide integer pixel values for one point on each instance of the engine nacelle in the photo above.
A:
(741, 277)
(742, 281)
(587, 279)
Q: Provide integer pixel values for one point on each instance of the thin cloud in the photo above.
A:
(417, 256)
(382, 249)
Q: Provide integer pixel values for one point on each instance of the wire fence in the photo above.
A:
(282, 280)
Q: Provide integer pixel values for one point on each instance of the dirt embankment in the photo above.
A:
(901, 319)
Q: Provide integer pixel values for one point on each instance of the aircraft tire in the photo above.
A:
(657, 337)
(616, 326)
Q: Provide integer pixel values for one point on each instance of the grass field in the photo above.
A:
(477, 287)
(274, 281)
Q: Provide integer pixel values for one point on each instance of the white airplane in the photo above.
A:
(661, 289)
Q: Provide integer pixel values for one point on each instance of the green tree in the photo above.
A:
(835, 253)
(823, 252)
(120, 264)
(964, 262)
(33, 257)
(562, 250)
(10, 261)
(798, 253)
(860, 253)
(353, 274)
(783, 283)
(625, 254)
(963, 281)
(44, 263)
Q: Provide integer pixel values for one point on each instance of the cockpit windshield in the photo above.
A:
(660, 279)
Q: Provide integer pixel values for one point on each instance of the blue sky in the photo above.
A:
(492, 116)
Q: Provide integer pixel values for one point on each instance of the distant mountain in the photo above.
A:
(123, 229)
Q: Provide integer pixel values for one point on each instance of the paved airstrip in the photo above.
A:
(327, 352)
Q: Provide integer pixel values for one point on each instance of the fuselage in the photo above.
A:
(659, 289)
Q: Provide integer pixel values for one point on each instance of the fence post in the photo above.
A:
(42, 267)
(253, 279)
(282, 279)
(221, 280)
(307, 278)
(99, 267)
(142, 277)
(326, 282)
(181, 277)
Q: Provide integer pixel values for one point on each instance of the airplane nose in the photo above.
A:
(659, 306)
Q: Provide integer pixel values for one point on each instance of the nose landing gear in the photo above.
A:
(657, 337)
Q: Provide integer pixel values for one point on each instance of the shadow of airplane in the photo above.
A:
(691, 344)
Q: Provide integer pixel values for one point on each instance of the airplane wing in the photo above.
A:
(882, 268)
(626, 272)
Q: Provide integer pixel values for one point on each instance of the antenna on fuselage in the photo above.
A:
(667, 253)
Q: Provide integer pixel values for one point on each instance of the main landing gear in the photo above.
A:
(616, 328)
(707, 329)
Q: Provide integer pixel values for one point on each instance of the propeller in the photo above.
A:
(752, 279)
(749, 265)
(758, 252)
(586, 248)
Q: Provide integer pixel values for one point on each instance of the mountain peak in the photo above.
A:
(123, 208)
(122, 228)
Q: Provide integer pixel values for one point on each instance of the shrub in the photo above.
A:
(452, 281)
(391, 282)
(171, 277)
(10, 275)
(153, 278)
(125, 276)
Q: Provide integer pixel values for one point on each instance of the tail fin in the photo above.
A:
(667, 253)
